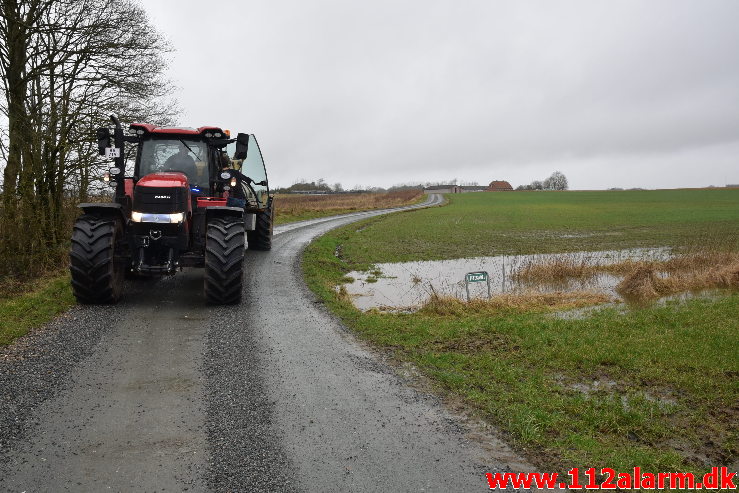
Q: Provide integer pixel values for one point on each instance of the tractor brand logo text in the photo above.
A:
(162, 197)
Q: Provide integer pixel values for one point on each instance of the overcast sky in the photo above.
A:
(613, 94)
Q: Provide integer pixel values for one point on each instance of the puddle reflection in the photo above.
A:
(407, 285)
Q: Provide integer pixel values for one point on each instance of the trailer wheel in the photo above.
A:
(261, 237)
(97, 275)
(224, 261)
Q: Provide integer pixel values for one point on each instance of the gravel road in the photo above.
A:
(162, 392)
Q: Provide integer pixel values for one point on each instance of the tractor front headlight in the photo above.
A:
(145, 217)
(177, 217)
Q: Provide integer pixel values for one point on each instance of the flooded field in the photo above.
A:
(560, 358)
(408, 285)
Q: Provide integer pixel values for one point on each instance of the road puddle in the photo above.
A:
(405, 286)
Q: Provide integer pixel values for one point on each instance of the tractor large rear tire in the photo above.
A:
(224, 261)
(97, 275)
(261, 237)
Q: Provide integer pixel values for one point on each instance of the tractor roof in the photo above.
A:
(153, 129)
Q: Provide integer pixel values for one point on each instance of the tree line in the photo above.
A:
(557, 181)
(65, 66)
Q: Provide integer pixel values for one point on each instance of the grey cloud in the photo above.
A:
(384, 92)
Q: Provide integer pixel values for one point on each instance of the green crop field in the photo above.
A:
(655, 386)
(479, 224)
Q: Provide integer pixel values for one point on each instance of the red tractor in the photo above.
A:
(197, 198)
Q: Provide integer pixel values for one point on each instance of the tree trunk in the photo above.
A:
(17, 88)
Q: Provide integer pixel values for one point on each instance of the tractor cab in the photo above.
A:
(183, 155)
(194, 152)
(199, 155)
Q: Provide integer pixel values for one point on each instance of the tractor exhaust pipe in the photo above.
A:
(120, 160)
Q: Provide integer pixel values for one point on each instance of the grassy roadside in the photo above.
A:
(655, 387)
(291, 208)
(45, 300)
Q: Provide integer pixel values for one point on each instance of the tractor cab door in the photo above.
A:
(253, 167)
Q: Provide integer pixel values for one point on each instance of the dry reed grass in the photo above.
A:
(295, 205)
(557, 268)
(641, 284)
(576, 266)
(643, 279)
(684, 274)
(699, 260)
(450, 306)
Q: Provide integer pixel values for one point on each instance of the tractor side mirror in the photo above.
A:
(103, 134)
(242, 145)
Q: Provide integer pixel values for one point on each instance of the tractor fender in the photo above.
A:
(104, 209)
(217, 211)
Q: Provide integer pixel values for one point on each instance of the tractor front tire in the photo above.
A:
(224, 261)
(261, 237)
(97, 275)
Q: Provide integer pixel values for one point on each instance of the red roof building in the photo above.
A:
(499, 186)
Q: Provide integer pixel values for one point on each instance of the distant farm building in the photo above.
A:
(499, 186)
(454, 188)
(461, 188)
(443, 189)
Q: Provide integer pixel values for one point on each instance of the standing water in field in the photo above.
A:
(408, 285)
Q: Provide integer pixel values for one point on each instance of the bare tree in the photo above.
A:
(65, 66)
(557, 181)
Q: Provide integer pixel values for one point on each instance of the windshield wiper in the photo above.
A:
(190, 149)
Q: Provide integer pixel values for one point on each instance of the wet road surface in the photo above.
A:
(270, 395)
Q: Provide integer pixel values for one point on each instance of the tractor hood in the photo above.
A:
(164, 179)
(162, 193)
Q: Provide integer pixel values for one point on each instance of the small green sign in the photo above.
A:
(476, 277)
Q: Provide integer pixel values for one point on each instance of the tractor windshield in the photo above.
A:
(186, 156)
